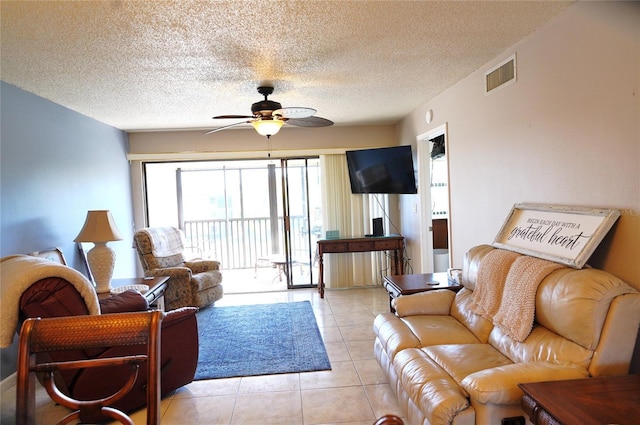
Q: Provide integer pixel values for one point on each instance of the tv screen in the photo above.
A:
(382, 170)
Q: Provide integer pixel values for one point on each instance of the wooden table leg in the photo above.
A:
(399, 262)
(320, 276)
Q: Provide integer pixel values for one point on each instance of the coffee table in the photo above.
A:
(407, 284)
(155, 294)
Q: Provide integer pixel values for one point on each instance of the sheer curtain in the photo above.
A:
(351, 215)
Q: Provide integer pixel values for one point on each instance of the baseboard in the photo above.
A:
(8, 382)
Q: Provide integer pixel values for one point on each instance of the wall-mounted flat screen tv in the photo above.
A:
(382, 170)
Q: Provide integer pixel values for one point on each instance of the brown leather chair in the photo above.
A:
(88, 332)
(56, 297)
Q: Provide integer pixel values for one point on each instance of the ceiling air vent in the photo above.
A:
(501, 75)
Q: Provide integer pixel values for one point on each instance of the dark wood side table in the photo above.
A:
(155, 294)
(601, 400)
(394, 243)
(407, 284)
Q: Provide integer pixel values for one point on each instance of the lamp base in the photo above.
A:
(101, 260)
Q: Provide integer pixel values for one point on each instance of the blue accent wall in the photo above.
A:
(55, 165)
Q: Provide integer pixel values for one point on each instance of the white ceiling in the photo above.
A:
(143, 65)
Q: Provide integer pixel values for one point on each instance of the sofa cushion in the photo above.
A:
(436, 330)
(540, 345)
(461, 360)
(124, 302)
(396, 334)
(575, 303)
(477, 324)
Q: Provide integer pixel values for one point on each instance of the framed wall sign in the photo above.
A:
(566, 235)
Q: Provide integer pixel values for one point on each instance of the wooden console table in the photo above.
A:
(601, 400)
(366, 244)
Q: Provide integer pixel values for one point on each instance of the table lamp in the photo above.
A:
(100, 228)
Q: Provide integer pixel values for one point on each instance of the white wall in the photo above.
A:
(567, 132)
(235, 141)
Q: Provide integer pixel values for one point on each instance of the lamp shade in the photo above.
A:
(99, 227)
(267, 127)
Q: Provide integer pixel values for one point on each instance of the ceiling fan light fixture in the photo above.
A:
(267, 116)
(267, 127)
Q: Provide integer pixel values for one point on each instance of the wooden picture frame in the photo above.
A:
(566, 235)
(51, 254)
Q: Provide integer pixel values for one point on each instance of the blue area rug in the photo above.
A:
(259, 339)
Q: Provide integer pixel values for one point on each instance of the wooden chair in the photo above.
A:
(87, 332)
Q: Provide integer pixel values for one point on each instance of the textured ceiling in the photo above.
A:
(142, 65)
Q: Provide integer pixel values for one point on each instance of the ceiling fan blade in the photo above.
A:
(310, 122)
(295, 112)
(225, 117)
(227, 126)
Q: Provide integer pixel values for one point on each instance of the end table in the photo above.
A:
(589, 401)
(406, 284)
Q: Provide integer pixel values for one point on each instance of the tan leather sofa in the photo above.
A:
(448, 365)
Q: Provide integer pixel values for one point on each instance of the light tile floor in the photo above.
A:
(354, 392)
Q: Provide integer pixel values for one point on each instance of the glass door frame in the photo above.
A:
(286, 207)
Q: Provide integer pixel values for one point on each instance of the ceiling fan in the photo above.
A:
(269, 116)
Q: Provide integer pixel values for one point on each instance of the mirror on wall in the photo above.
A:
(439, 203)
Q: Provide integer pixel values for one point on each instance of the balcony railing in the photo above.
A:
(240, 243)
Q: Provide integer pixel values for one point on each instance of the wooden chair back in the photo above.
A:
(84, 332)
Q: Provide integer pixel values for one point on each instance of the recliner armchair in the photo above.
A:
(35, 287)
(192, 283)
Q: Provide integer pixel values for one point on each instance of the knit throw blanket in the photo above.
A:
(18, 272)
(506, 289)
(518, 306)
(492, 275)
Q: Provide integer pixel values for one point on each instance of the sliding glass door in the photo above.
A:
(302, 213)
(246, 214)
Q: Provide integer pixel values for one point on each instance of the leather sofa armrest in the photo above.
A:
(202, 265)
(499, 385)
(125, 302)
(436, 302)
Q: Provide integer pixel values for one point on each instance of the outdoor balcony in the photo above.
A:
(251, 258)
